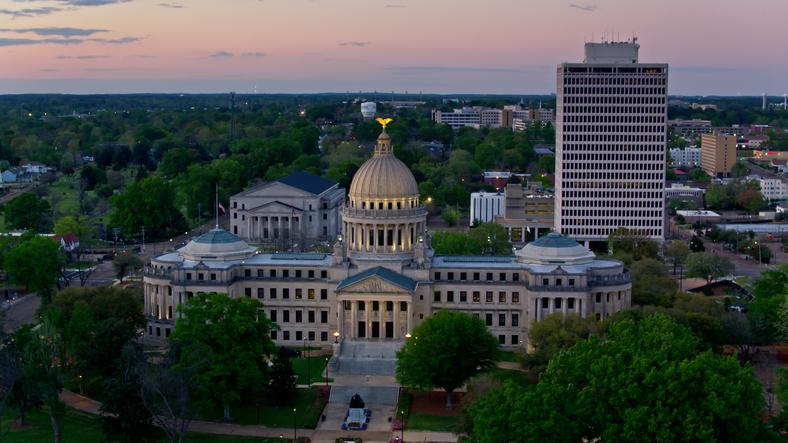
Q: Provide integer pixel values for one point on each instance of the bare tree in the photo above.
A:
(745, 333)
(765, 366)
(169, 392)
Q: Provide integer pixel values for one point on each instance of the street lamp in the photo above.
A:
(336, 337)
(79, 380)
(294, 425)
(402, 425)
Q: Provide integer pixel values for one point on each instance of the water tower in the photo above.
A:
(368, 109)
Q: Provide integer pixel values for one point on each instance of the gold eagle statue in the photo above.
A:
(384, 121)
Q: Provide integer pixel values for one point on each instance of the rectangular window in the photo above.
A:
(272, 293)
(450, 276)
(323, 316)
(501, 297)
(310, 317)
(515, 320)
(273, 334)
(324, 336)
(437, 276)
(515, 297)
(310, 294)
(285, 293)
(299, 317)
(570, 303)
(273, 315)
(376, 306)
(298, 273)
(298, 294)
(475, 276)
(476, 296)
(311, 335)
(488, 297)
(463, 296)
(260, 293)
(261, 273)
(450, 296)
(324, 294)
(437, 297)
(502, 277)
(285, 335)
(558, 282)
(247, 273)
(213, 276)
(463, 276)
(299, 335)
(201, 276)
(488, 319)
(248, 292)
(516, 277)
(389, 306)
(347, 305)
(188, 276)
(515, 340)
(501, 319)
(489, 276)
(272, 273)
(285, 316)
(502, 339)
(311, 274)
(285, 273)
(323, 274)
(571, 282)
(545, 303)
(546, 281)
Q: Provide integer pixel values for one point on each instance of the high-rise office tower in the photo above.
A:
(611, 130)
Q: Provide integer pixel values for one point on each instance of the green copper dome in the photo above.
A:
(217, 236)
(555, 240)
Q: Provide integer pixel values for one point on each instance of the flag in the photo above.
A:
(222, 208)
(292, 208)
(528, 228)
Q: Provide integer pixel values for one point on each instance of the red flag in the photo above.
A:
(292, 208)
(222, 208)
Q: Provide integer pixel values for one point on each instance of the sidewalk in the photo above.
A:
(91, 406)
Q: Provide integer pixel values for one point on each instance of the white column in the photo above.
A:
(279, 224)
(563, 305)
(354, 318)
(367, 325)
(341, 319)
(409, 317)
(395, 320)
(270, 227)
(538, 308)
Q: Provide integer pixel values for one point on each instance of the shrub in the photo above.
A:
(401, 421)
(104, 191)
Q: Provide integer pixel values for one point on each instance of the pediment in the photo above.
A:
(375, 284)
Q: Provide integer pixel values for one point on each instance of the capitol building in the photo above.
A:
(382, 278)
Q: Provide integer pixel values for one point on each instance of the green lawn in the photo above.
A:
(315, 368)
(520, 377)
(421, 421)
(508, 356)
(81, 427)
(246, 412)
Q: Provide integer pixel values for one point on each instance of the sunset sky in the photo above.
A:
(713, 47)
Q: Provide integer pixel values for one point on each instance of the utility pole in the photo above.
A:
(116, 230)
(142, 228)
(199, 213)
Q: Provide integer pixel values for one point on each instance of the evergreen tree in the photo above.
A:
(282, 386)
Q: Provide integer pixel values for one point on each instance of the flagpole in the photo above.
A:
(216, 206)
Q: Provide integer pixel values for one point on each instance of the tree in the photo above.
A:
(238, 334)
(700, 176)
(745, 333)
(676, 254)
(124, 416)
(454, 243)
(81, 227)
(554, 333)
(450, 215)
(492, 238)
(36, 263)
(547, 163)
(709, 266)
(445, 350)
(751, 200)
(146, 203)
(125, 262)
(93, 176)
(632, 242)
(636, 383)
(651, 285)
(27, 212)
(282, 386)
(696, 244)
(104, 302)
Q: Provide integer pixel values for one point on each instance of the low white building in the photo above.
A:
(486, 205)
(677, 190)
(689, 156)
(774, 188)
(458, 118)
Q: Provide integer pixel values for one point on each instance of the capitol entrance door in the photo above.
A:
(362, 329)
(389, 329)
(375, 329)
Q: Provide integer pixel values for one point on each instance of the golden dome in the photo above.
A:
(383, 176)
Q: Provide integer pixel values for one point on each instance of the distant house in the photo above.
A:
(541, 150)
(36, 168)
(17, 174)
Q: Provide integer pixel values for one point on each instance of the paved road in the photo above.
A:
(22, 310)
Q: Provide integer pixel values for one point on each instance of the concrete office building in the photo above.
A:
(688, 156)
(610, 144)
(485, 206)
(383, 278)
(717, 154)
